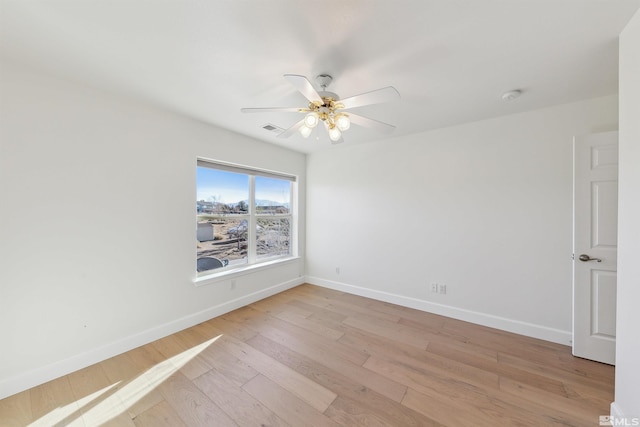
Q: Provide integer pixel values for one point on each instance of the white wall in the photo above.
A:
(97, 226)
(485, 208)
(627, 394)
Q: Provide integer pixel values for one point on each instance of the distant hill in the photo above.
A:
(263, 202)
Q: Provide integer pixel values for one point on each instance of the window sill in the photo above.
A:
(240, 271)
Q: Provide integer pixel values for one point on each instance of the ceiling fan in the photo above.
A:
(328, 108)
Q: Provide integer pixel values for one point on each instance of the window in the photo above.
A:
(243, 216)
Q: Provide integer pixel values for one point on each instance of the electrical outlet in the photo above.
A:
(442, 288)
(337, 270)
(434, 288)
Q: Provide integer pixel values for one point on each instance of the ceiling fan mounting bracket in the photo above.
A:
(324, 80)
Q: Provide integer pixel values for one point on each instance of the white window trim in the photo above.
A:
(227, 275)
(254, 263)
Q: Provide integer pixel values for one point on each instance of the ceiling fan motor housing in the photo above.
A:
(324, 80)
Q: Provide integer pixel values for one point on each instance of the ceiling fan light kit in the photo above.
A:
(326, 112)
(327, 107)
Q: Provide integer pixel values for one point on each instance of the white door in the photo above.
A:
(595, 246)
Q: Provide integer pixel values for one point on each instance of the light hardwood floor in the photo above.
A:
(316, 357)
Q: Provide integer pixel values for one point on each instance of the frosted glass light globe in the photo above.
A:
(334, 134)
(311, 120)
(343, 122)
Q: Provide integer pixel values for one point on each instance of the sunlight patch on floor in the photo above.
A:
(106, 404)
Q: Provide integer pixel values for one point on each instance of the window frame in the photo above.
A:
(254, 261)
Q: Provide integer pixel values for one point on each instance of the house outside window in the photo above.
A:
(244, 216)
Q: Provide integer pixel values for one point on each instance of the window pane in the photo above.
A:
(221, 239)
(274, 235)
(273, 196)
(221, 211)
(221, 192)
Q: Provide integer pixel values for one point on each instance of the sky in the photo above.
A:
(229, 187)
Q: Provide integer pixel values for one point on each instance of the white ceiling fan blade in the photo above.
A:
(377, 96)
(293, 129)
(304, 86)
(274, 110)
(371, 123)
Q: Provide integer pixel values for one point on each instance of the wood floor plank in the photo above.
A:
(333, 360)
(577, 386)
(15, 411)
(310, 343)
(286, 405)
(123, 370)
(284, 331)
(490, 406)
(601, 385)
(54, 402)
(97, 397)
(236, 402)
(411, 316)
(191, 404)
(310, 325)
(350, 413)
(318, 312)
(420, 359)
(352, 391)
(316, 356)
(172, 346)
(505, 342)
(229, 327)
(275, 306)
(146, 357)
(350, 310)
(159, 415)
(550, 385)
(389, 330)
(577, 408)
(459, 342)
(235, 369)
(444, 411)
(311, 392)
(119, 420)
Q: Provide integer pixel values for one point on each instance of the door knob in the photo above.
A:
(585, 258)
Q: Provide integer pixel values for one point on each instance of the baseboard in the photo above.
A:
(616, 412)
(618, 417)
(18, 383)
(502, 323)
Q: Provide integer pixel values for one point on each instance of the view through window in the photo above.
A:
(243, 216)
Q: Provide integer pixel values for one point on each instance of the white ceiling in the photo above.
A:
(449, 59)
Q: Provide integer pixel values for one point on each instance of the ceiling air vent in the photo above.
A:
(272, 128)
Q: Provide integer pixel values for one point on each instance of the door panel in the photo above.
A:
(595, 246)
(604, 225)
(603, 303)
